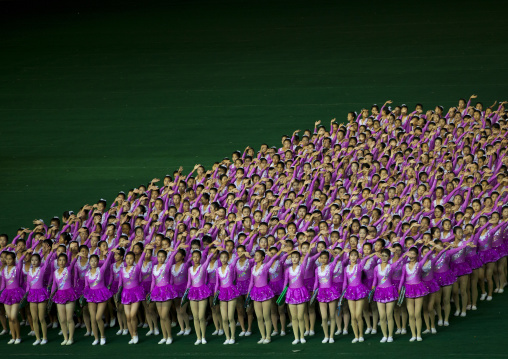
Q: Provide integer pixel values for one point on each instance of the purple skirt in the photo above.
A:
(260, 294)
(12, 296)
(243, 286)
(474, 262)
(461, 269)
(500, 250)
(488, 256)
(133, 295)
(327, 295)
(163, 293)
(445, 279)
(416, 290)
(37, 295)
(180, 289)
(356, 292)
(277, 286)
(386, 294)
(199, 293)
(297, 295)
(368, 282)
(97, 295)
(432, 286)
(309, 284)
(65, 296)
(146, 286)
(228, 293)
(396, 282)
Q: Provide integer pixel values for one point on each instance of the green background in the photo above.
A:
(100, 97)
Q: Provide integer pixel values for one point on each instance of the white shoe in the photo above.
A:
(397, 331)
(247, 333)
(203, 341)
(106, 325)
(463, 314)
(501, 290)
(446, 324)
(474, 307)
(331, 340)
(173, 324)
(125, 332)
(290, 325)
(63, 343)
(390, 339)
(439, 323)
(31, 334)
(373, 331)
(87, 334)
(119, 332)
(412, 339)
(169, 341)
(495, 291)
(306, 333)
(296, 341)
(187, 332)
(242, 334)
(197, 342)
(433, 330)
(221, 332)
(3, 332)
(419, 339)
(274, 333)
(69, 342)
(403, 331)
(361, 339)
(344, 332)
(303, 341)
(44, 341)
(17, 341)
(468, 307)
(145, 326)
(149, 333)
(457, 313)
(61, 333)
(135, 340)
(215, 332)
(131, 341)
(11, 341)
(156, 331)
(261, 341)
(179, 333)
(311, 333)
(483, 296)
(282, 333)
(325, 340)
(103, 341)
(162, 341)
(140, 325)
(489, 298)
(226, 342)
(237, 324)
(368, 330)
(355, 340)
(231, 341)
(112, 323)
(383, 340)
(338, 332)
(426, 331)
(55, 325)
(95, 342)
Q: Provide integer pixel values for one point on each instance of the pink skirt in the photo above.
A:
(432, 286)
(65, 296)
(327, 295)
(297, 295)
(385, 294)
(12, 296)
(356, 292)
(228, 293)
(243, 286)
(277, 286)
(461, 269)
(199, 293)
(97, 295)
(446, 278)
(37, 295)
(474, 262)
(260, 294)
(180, 289)
(416, 290)
(163, 293)
(489, 256)
(133, 295)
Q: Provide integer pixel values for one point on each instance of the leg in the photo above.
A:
(447, 291)
(489, 272)
(389, 317)
(332, 307)
(86, 319)
(455, 296)
(69, 312)
(266, 316)
(34, 308)
(224, 316)
(294, 316)
(258, 307)
(381, 307)
(360, 305)
(231, 317)
(274, 312)
(366, 315)
(92, 307)
(301, 323)
(195, 313)
(438, 298)
(354, 323)
(101, 309)
(62, 317)
(410, 304)
(202, 319)
(474, 287)
(323, 307)
(42, 319)
(463, 280)
(241, 312)
(418, 316)
(481, 279)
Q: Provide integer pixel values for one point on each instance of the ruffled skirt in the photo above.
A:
(445, 279)
(385, 294)
(309, 284)
(133, 295)
(228, 293)
(297, 295)
(461, 269)
(474, 262)
(97, 295)
(243, 286)
(65, 296)
(180, 289)
(356, 292)
(432, 286)
(416, 290)
(489, 256)
(260, 294)
(163, 293)
(277, 286)
(199, 293)
(37, 295)
(327, 295)
(12, 296)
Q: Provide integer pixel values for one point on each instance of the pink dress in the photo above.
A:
(297, 293)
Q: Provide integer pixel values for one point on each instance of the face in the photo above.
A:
(35, 261)
(295, 258)
(62, 262)
(94, 262)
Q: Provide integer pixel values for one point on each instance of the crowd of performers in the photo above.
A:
(396, 216)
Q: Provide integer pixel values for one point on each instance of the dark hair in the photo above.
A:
(263, 254)
(386, 251)
(94, 256)
(130, 253)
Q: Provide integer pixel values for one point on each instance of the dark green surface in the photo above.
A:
(97, 98)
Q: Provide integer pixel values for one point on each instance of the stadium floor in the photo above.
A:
(100, 96)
